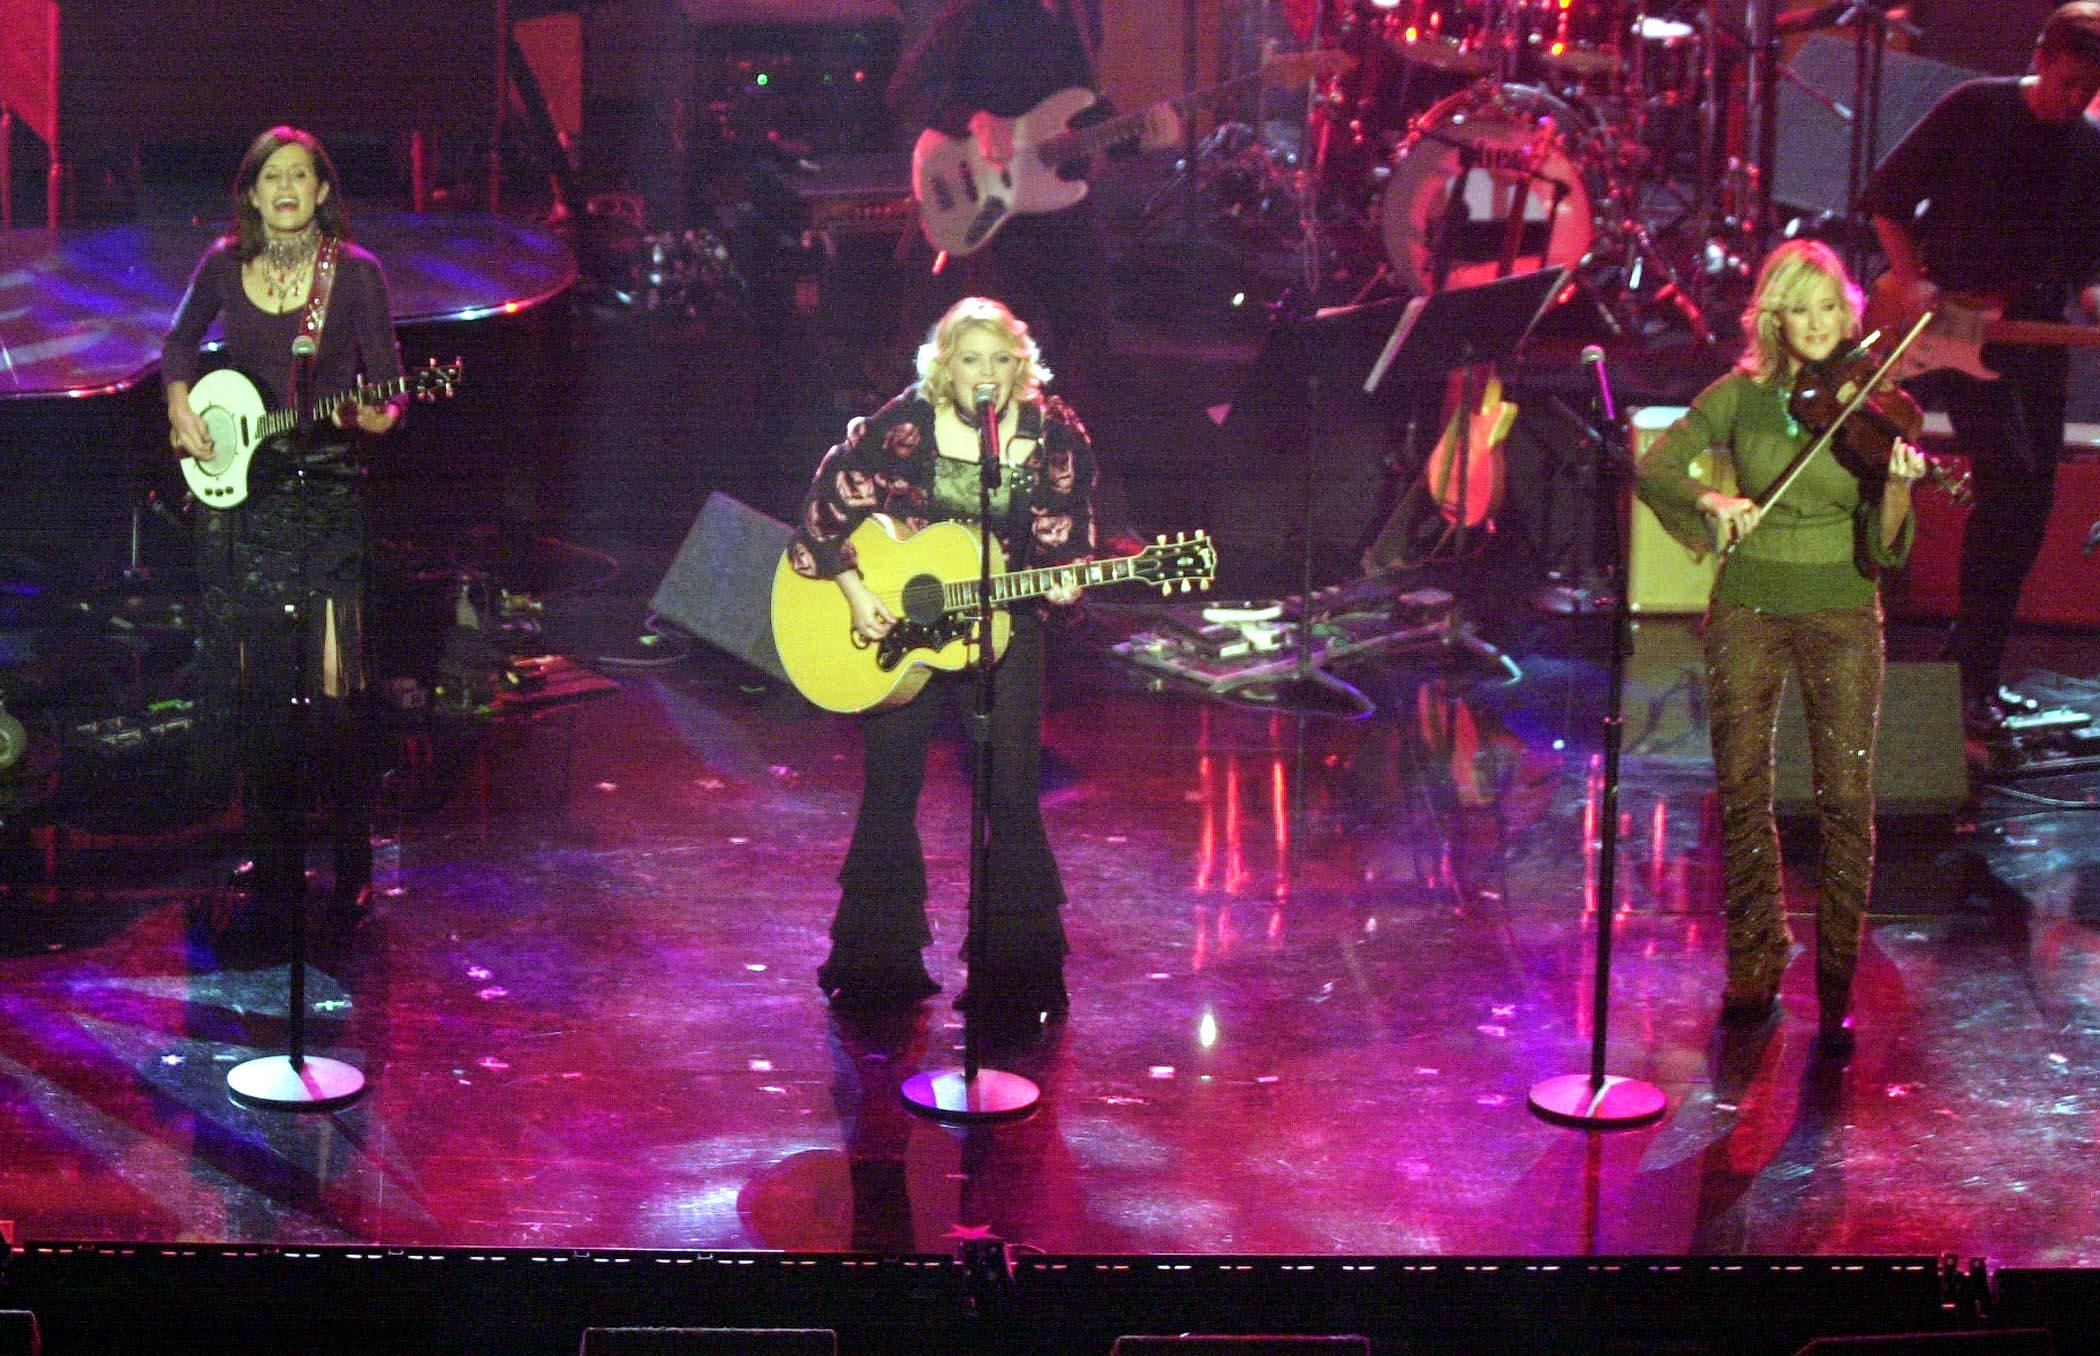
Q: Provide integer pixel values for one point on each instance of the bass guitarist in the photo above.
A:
(916, 460)
(980, 64)
(1997, 192)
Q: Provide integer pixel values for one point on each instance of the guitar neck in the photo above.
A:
(324, 409)
(1018, 585)
(2042, 332)
(1082, 142)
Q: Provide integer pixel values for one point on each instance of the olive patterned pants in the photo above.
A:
(1837, 658)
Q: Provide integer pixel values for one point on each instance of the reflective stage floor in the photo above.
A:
(1316, 966)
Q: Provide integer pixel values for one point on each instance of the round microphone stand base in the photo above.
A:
(1606, 1103)
(313, 1084)
(951, 1095)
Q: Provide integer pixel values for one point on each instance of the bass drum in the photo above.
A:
(1487, 185)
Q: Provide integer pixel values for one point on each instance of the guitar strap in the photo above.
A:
(1020, 523)
(306, 345)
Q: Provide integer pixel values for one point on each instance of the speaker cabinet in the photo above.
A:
(720, 587)
(1813, 158)
(1663, 577)
(1920, 768)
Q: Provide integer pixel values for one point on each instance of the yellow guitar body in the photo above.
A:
(835, 669)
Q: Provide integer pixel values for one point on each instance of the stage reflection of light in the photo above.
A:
(1280, 808)
(1235, 844)
(1207, 1029)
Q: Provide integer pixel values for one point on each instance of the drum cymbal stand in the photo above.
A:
(1870, 21)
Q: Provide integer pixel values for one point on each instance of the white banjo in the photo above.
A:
(234, 414)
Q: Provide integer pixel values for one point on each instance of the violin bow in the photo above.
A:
(1859, 397)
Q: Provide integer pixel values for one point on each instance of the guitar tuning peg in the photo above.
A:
(1160, 540)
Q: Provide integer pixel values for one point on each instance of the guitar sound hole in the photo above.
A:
(922, 600)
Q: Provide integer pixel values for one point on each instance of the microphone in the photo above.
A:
(985, 396)
(1593, 358)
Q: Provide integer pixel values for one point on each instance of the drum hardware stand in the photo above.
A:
(975, 1093)
(1870, 22)
(1592, 591)
(1597, 1100)
(1309, 688)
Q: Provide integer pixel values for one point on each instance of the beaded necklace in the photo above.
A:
(287, 264)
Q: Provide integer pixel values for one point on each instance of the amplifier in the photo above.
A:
(158, 724)
(816, 83)
(1662, 576)
(846, 194)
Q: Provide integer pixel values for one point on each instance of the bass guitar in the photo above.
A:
(235, 415)
(1960, 329)
(964, 198)
(929, 580)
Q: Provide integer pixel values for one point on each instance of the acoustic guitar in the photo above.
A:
(929, 580)
(1472, 439)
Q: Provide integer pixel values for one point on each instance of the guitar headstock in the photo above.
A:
(429, 382)
(1189, 560)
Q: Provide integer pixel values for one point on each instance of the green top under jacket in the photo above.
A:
(1818, 547)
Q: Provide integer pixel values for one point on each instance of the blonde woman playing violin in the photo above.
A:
(1797, 593)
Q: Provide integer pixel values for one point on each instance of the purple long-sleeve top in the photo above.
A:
(357, 340)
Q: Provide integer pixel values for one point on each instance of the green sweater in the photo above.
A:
(1818, 547)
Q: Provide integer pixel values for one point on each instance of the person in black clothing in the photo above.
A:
(1997, 192)
(916, 460)
(295, 548)
(980, 63)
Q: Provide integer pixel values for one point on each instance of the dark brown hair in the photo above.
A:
(247, 233)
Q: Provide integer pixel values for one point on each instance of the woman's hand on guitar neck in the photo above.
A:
(373, 419)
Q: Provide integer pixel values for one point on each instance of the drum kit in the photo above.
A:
(1475, 139)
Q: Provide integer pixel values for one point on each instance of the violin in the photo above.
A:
(1864, 442)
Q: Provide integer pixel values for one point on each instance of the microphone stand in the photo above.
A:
(975, 1093)
(1597, 1100)
(295, 1081)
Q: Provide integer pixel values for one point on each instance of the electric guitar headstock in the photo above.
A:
(1190, 559)
(429, 382)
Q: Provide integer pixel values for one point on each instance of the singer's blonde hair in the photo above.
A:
(1789, 272)
(978, 313)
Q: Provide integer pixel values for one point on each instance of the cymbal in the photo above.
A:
(1582, 61)
(1442, 54)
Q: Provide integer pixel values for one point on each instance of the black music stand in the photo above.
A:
(1304, 348)
(1457, 330)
